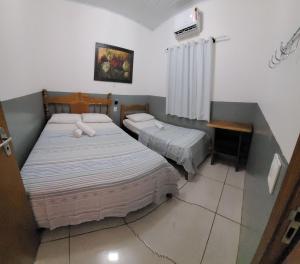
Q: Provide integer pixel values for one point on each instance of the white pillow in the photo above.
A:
(64, 118)
(140, 117)
(95, 118)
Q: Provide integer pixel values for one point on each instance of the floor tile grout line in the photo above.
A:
(214, 218)
(222, 190)
(200, 174)
(206, 177)
(227, 218)
(212, 224)
(182, 185)
(154, 252)
(242, 189)
(205, 208)
(198, 205)
(69, 229)
(96, 230)
(241, 225)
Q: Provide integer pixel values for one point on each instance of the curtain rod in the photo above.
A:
(215, 40)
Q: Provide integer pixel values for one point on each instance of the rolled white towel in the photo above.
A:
(159, 125)
(86, 129)
(77, 133)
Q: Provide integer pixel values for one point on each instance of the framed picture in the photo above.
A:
(113, 64)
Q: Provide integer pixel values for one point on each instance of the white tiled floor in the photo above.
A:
(216, 172)
(231, 203)
(116, 245)
(202, 191)
(56, 252)
(223, 242)
(235, 179)
(201, 225)
(182, 235)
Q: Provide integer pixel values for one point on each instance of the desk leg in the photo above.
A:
(239, 153)
(212, 161)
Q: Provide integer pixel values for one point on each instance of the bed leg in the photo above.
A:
(191, 176)
(169, 195)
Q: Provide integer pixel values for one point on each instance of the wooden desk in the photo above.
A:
(231, 139)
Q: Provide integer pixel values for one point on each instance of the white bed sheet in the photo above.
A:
(136, 127)
(73, 180)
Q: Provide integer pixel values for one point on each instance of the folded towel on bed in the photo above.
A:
(77, 133)
(159, 125)
(86, 129)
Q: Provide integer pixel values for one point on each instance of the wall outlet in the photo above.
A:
(115, 108)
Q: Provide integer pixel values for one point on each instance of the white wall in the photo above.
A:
(19, 43)
(256, 28)
(236, 60)
(280, 97)
(51, 44)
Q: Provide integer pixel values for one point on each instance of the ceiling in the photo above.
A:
(150, 13)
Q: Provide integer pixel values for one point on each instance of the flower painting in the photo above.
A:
(113, 64)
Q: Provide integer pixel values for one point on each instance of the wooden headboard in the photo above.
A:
(77, 102)
(131, 109)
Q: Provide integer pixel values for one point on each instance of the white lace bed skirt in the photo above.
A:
(92, 204)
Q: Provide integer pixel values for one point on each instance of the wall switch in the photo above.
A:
(274, 172)
(115, 108)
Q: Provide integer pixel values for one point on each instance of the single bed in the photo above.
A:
(73, 180)
(187, 147)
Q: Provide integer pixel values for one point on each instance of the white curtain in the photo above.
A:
(190, 80)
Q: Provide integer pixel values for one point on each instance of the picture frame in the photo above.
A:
(113, 64)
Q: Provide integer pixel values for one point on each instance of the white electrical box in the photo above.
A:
(274, 172)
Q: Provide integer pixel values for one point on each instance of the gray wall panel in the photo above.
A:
(232, 111)
(25, 120)
(258, 203)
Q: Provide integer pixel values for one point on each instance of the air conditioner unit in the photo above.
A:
(188, 24)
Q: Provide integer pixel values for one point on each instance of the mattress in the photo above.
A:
(73, 180)
(136, 127)
(187, 147)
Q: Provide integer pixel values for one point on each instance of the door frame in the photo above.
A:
(20, 238)
(270, 248)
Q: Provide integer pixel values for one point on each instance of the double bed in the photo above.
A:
(73, 180)
(187, 147)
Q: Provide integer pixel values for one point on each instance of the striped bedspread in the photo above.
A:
(188, 147)
(72, 180)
